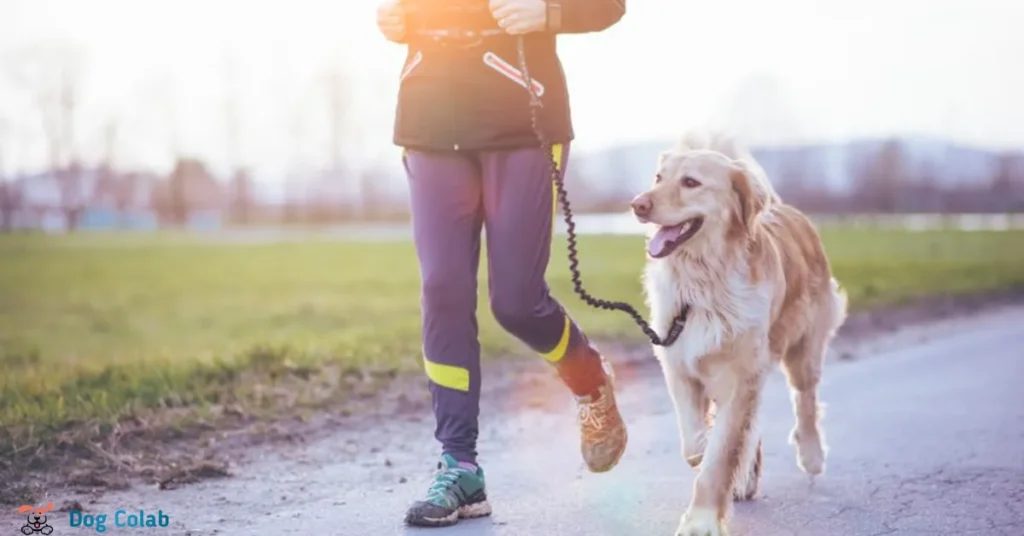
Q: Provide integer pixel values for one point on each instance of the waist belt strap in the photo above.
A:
(457, 34)
(453, 38)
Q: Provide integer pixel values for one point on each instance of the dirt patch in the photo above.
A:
(131, 455)
(159, 452)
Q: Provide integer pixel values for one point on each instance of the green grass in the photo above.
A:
(97, 329)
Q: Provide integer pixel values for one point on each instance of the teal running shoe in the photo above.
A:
(456, 492)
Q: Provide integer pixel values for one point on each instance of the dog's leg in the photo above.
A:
(802, 366)
(691, 407)
(748, 476)
(729, 442)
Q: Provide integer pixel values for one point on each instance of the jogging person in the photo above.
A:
(473, 162)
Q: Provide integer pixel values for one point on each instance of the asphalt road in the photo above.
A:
(926, 436)
(929, 441)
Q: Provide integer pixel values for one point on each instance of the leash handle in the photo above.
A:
(676, 329)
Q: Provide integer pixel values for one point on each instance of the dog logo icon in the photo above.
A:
(36, 519)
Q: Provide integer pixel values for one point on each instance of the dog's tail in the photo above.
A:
(840, 302)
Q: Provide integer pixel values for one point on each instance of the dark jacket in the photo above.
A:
(463, 96)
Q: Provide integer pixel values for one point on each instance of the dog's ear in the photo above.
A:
(26, 508)
(662, 157)
(47, 508)
(751, 196)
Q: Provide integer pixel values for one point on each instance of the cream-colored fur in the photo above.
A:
(760, 292)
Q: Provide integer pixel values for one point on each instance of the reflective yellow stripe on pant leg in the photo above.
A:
(449, 376)
(556, 355)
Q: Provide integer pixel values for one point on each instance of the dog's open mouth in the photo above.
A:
(667, 238)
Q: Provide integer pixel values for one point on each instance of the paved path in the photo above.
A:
(926, 436)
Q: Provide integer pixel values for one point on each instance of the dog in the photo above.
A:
(37, 521)
(753, 272)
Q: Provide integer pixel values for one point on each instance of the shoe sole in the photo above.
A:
(480, 509)
(469, 511)
(615, 461)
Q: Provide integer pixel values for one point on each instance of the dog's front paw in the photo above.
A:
(701, 522)
(810, 452)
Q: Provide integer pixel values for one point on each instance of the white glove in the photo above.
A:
(519, 17)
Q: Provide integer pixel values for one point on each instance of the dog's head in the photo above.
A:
(697, 196)
(36, 516)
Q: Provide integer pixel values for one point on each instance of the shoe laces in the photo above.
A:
(444, 479)
(595, 414)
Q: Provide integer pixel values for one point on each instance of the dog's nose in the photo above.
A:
(641, 206)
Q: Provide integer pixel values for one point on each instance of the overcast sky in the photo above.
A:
(777, 71)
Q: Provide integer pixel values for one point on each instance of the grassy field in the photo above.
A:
(94, 330)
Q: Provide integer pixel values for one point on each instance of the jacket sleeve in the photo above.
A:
(584, 16)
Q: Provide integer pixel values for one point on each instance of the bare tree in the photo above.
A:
(10, 203)
(189, 189)
(110, 138)
(10, 191)
(231, 112)
(118, 188)
(337, 105)
(241, 197)
(128, 185)
(8, 195)
(241, 186)
(178, 202)
(4, 130)
(298, 133)
(760, 107)
(882, 178)
(158, 112)
(929, 193)
(293, 209)
(801, 181)
(52, 75)
(1007, 187)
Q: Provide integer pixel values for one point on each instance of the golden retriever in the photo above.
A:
(760, 292)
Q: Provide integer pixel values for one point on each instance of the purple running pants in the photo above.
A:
(508, 194)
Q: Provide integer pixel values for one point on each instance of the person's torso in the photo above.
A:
(468, 92)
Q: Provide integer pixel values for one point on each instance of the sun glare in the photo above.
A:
(171, 73)
(168, 70)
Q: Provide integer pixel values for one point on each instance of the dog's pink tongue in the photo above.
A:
(663, 241)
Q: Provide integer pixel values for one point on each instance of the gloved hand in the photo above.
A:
(519, 17)
(391, 20)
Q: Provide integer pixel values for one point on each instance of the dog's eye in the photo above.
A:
(690, 182)
(657, 178)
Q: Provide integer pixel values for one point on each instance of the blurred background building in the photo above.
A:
(204, 115)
